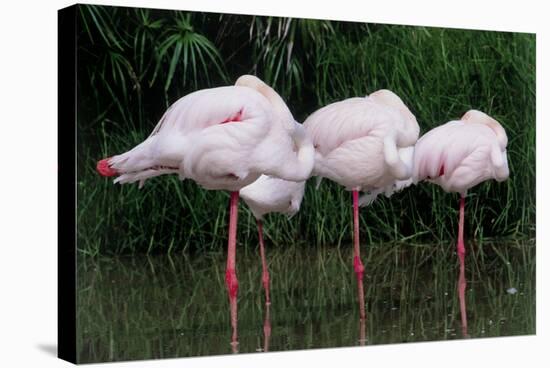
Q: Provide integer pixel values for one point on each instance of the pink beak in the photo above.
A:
(104, 169)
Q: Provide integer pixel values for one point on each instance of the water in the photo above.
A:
(152, 307)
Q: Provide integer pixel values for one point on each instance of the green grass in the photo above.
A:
(134, 63)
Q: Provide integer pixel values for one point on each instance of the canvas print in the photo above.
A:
(253, 183)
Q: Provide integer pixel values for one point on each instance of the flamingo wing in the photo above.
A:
(457, 156)
(214, 106)
(186, 127)
(356, 142)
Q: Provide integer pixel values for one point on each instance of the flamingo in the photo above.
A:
(223, 138)
(269, 194)
(457, 156)
(364, 144)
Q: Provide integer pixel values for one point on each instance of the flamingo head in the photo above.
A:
(409, 130)
(476, 116)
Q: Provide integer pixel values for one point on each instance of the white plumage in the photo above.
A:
(269, 194)
(364, 143)
(222, 138)
(462, 153)
(407, 156)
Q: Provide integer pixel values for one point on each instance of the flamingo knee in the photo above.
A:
(231, 282)
(358, 267)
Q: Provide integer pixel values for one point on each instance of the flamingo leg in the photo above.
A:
(461, 251)
(231, 281)
(357, 265)
(265, 271)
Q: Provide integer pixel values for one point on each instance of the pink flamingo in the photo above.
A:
(269, 194)
(364, 144)
(457, 156)
(222, 138)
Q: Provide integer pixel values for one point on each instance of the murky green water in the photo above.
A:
(163, 307)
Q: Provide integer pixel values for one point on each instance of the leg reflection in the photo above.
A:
(267, 328)
(362, 335)
(265, 271)
(234, 347)
(462, 299)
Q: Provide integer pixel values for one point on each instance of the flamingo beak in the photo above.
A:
(104, 169)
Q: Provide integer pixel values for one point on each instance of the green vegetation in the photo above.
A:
(133, 63)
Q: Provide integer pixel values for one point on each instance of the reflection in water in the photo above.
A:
(267, 332)
(161, 307)
(234, 343)
(362, 337)
(267, 327)
(462, 299)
